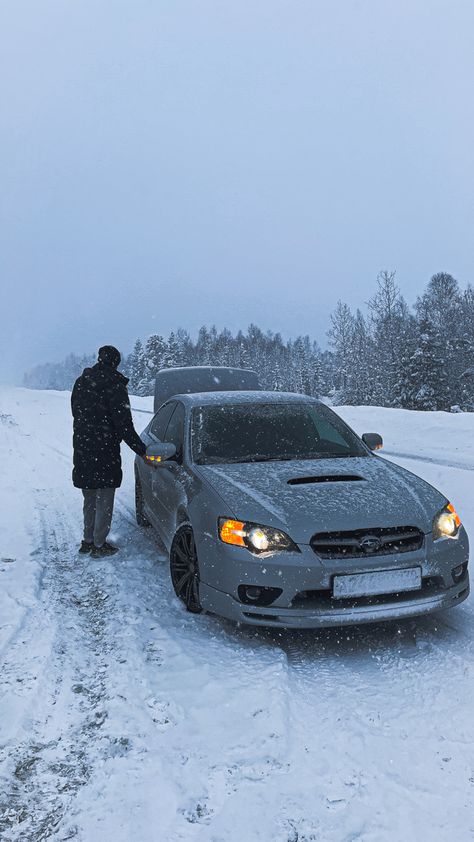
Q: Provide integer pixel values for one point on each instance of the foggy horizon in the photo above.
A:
(126, 345)
(168, 167)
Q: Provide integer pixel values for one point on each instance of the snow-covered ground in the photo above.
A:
(124, 718)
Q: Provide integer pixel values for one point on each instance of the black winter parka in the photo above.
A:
(102, 419)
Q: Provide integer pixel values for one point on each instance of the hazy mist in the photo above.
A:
(175, 163)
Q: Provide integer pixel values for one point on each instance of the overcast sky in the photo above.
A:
(171, 163)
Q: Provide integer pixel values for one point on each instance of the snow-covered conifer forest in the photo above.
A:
(383, 354)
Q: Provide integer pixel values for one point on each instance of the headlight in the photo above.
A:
(446, 523)
(258, 539)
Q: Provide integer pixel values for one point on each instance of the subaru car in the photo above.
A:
(275, 513)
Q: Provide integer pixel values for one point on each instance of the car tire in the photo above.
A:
(141, 518)
(184, 569)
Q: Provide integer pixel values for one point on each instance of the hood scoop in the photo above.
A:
(327, 478)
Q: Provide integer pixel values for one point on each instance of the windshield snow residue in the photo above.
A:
(270, 432)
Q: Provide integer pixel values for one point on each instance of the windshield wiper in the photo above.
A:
(337, 455)
(298, 458)
(255, 458)
(284, 457)
(281, 458)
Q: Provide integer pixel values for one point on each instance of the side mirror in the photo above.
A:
(373, 441)
(158, 453)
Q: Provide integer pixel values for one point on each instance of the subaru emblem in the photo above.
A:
(370, 544)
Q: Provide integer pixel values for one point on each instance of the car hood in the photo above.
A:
(308, 496)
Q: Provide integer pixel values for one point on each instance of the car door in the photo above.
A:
(169, 479)
(155, 433)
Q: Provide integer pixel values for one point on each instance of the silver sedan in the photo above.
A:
(275, 513)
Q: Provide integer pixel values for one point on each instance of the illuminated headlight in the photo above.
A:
(446, 523)
(258, 539)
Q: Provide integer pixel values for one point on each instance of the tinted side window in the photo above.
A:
(175, 431)
(327, 432)
(160, 421)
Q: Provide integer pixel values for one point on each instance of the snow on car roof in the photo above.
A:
(229, 397)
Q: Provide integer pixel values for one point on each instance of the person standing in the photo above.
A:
(102, 420)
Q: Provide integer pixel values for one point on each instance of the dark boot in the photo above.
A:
(103, 551)
(86, 547)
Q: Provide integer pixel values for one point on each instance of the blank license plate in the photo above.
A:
(378, 582)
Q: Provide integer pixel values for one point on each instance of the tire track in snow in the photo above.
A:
(52, 759)
(415, 457)
(59, 776)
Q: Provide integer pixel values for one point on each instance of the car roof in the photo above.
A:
(229, 397)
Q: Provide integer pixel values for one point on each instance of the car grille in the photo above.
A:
(362, 543)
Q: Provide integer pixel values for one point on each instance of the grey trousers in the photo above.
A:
(98, 511)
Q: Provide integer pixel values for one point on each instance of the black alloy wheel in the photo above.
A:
(141, 518)
(184, 569)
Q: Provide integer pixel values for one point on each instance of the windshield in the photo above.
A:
(269, 432)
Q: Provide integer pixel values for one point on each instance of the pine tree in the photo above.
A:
(203, 347)
(170, 353)
(388, 314)
(242, 355)
(441, 305)
(137, 369)
(426, 379)
(359, 388)
(461, 380)
(184, 348)
(224, 350)
(155, 348)
(340, 338)
(317, 370)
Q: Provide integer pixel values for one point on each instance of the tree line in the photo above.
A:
(390, 355)
(416, 359)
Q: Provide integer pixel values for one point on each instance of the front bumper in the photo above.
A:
(305, 581)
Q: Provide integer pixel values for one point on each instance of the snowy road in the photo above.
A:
(123, 718)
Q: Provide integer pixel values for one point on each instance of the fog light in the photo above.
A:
(255, 595)
(458, 572)
(252, 593)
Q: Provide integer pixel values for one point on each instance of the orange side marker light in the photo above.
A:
(232, 532)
